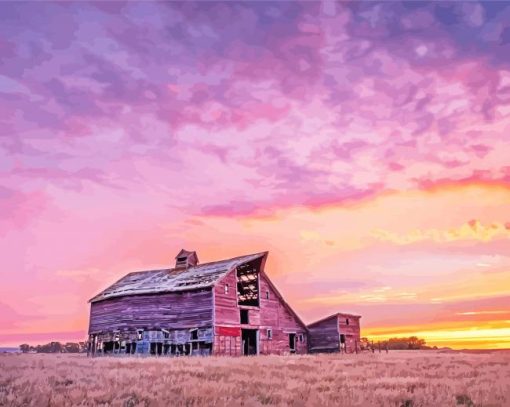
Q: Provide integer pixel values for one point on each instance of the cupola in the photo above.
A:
(185, 259)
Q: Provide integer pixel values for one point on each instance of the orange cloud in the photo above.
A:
(493, 312)
(472, 230)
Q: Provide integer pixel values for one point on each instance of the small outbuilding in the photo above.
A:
(339, 332)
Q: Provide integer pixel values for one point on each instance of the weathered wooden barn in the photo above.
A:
(339, 332)
(227, 307)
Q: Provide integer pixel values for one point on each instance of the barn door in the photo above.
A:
(342, 343)
(292, 343)
(249, 341)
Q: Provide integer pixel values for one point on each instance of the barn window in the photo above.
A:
(166, 334)
(226, 288)
(347, 321)
(139, 333)
(267, 295)
(269, 334)
(244, 316)
(194, 334)
(301, 338)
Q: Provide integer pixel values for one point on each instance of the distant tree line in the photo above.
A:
(55, 347)
(409, 343)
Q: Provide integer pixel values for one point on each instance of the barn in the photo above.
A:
(226, 307)
(339, 332)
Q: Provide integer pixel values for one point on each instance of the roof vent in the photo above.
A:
(185, 259)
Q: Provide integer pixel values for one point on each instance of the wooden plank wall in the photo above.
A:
(227, 341)
(324, 336)
(227, 332)
(272, 314)
(226, 310)
(191, 309)
(351, 331)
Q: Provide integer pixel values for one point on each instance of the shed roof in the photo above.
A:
(336, 315)
(172, 280)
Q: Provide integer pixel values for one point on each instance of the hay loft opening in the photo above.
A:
(248, 283)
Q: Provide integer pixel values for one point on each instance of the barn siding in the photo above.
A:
(275, 315)
(227, 332)
(226, 310)
(324, 335)
(271, 314)
(227, 341)
(351, 331)
(168, 310)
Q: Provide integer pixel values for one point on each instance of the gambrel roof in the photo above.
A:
(172, 280)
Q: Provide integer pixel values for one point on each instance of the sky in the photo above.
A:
(366, 146)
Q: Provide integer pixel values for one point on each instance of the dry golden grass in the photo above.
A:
(420, 378)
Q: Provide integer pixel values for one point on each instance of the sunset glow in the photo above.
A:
(366, 146)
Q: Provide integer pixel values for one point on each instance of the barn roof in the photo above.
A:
(171, 280)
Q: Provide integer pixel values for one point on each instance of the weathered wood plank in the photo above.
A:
(271, 314)
(349, 326)
(325, 335)
(152, 312)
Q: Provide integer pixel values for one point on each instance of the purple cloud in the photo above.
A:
(306, 102)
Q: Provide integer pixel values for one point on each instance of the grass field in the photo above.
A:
(405, 378)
